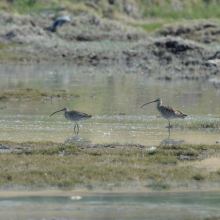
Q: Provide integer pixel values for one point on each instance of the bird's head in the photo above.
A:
(64, 109)
(157, 100)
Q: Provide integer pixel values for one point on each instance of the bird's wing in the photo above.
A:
(175, 111)
(80, 113)
(178, 112)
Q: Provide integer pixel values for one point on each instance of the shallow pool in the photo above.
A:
(139, 205)
(113, 97)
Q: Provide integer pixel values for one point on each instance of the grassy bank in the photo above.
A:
(138, 9)
(46, 164)
(102, 32)
(147, 14)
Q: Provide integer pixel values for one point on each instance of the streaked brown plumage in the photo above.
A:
(74, 116)
(168, 112)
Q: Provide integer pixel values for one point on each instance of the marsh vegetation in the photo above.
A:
(48, 164)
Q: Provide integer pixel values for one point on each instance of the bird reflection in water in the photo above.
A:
(169, 141)
(76, 139)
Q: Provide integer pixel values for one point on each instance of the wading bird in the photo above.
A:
(168, 112)
(74, 116)
(57, 23)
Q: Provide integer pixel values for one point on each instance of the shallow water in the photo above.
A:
(106, 93)
(113, 96)
(142, 205)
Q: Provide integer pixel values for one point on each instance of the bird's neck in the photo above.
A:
(66, 112)
(159, 104)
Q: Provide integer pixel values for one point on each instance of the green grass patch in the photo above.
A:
(35, 6)
(30, 94)
(150, 27)
(27, 6)
(4, 46)
(164, 9)
(12, 56)
(181, 10)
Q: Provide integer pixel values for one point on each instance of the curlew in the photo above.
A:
(168, 112)
(74, 116)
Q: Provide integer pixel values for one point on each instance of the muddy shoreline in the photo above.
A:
(87, 192)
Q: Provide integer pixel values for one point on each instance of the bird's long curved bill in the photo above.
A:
(147, 103)
(56, 112)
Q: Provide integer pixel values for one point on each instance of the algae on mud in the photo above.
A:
(30, 94)
(47, 164)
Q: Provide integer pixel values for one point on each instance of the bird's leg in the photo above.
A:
(169, 124)
(168, 138)
(75, 129)
(168, 134)
(76, 126)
